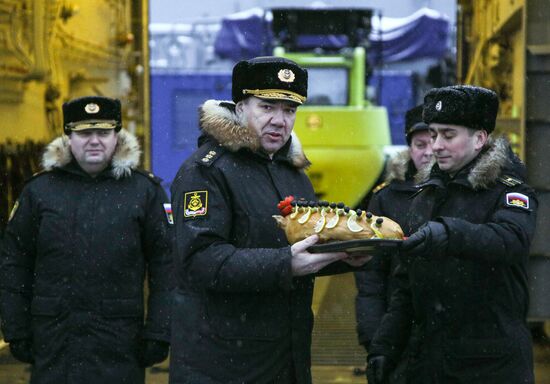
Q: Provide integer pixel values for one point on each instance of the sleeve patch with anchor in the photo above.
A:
(195, 204)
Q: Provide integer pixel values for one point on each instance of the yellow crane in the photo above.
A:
(505, 46)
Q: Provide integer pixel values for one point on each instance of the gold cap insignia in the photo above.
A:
(91, 108)
(286, 75)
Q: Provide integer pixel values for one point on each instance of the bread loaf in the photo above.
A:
(332, 222)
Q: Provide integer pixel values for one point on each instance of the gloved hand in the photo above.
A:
(378, 369)
(430, 240)
(153, 352)
(22, 350)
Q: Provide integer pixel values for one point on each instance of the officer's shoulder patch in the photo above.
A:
(209, 155)
(516, 199)
(37, 175)
(149, 175)
(509, 181)
(380, 186)
(13, 210)
(195, 203)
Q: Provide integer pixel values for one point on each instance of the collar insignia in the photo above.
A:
(510, 181)
(13, 210)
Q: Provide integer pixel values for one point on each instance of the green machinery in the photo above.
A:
(342, 133)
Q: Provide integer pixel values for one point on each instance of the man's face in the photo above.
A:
(93, 148)
(421, 149)
(271, 120)
(454, 146)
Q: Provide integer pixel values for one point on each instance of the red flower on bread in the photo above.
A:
(285, 205)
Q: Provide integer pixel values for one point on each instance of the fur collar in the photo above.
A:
(219, 120)
(125, 158)
(397, 166)
(487, 168)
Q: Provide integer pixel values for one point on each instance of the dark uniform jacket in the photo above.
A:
(375, 285)
(239, 316)
(73, 267)
(390, 199)
(468, 304)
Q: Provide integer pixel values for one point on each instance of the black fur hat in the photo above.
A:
(414, 122)
(92, 112)
(269, 77)
(467, 105)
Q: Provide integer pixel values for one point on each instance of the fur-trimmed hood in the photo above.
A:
(397, 166)
(219, 120)
(487, 168)
(126, 156)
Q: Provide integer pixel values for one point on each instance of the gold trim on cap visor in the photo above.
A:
(277, 94)
(81, 126)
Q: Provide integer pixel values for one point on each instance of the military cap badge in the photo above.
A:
(91, 108)
(286, 75)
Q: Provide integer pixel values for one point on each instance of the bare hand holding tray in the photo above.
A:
(359, 247)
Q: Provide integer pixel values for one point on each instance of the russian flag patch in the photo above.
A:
(519, 200)
(168, 211)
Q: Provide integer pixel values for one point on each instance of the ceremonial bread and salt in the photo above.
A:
(339, 228)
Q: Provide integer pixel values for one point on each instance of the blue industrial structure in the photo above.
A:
(175, 99)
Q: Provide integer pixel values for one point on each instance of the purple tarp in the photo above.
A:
(423, 34)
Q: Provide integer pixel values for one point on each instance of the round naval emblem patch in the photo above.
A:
(439, 105)
(286, 75)
(91, 108)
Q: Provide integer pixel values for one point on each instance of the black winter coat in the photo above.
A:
(376, 284)
(73, 266)
(468, 306)
(239, 315)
